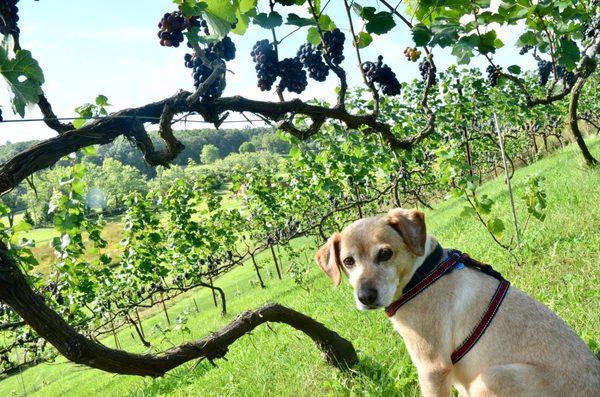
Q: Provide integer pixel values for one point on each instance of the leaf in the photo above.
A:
(220, 14)
(22, 227)
(496, 227)
(527, 38)
(101, 100)
(568, 53)
(377, 23)
(313, 36)
(514, 69)
(244, 6)
(268, 21)
(444, 34)
(363, 39)
(487, 42)
(24, 77)
(296, 20)
(421, 34)
(463, 50)
(467, 211)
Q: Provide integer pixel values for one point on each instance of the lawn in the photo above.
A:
(559, 266)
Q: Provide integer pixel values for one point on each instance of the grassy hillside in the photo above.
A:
(560, 267)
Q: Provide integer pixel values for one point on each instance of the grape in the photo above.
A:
(492, 75)
(412, 54)
(568, 77)
(223, 49)
(265, 57)
(10, 17)
(525, 49)
(424, 67)
(312, 60)
(383, 76)
(334, 45)
(171, 28)
(544, 69)
(293, 77)
(1, 120)
(201, 72)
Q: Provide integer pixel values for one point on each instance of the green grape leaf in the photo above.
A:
(421, 34)
(514, 69)
(377, 22)
(24, 77)
(568, 53)
(363, 39)
(220, 15)
(313, 36)
(527, 38)
(296, 20)
(268, 21)
(496, 227)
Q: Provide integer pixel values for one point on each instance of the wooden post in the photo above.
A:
(196, 304)
(210, 281)
(275, 260)
(510, 193)
(260, 280)
(137, 315)
(112, 325)
(162, 300)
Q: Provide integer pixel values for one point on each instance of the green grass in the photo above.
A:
(560, 259)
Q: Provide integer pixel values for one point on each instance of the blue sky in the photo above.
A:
(91, 47)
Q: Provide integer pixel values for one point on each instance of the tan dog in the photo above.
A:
(526, 351)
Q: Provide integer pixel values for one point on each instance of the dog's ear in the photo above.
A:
(411, 226)
(328, 257)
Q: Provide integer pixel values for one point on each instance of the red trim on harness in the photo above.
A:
(444, 268)
(483, 323)
(420, 287)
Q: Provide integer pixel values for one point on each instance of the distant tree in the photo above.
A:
(28, 218)
(110, 182)
(247, 147)
(210, 154)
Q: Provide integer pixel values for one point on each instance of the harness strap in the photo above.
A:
(454, 259)
(483, 323)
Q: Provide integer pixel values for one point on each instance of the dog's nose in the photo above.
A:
(367, 295)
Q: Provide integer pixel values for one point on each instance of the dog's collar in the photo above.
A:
(431, 261)
(455, 260)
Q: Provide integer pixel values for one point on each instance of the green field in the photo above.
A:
(559, 266)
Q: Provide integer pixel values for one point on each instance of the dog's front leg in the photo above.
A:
(435, 382)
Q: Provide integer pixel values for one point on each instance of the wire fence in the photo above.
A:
(125, 117)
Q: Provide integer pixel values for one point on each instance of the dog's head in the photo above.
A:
(377, 254)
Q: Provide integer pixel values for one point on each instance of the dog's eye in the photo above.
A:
(384, 254)
(349, 262)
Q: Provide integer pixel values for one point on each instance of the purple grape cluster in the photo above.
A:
(424, 67)
(492, 75)
(267, 67)
(334, 43)
(171, 28)
(382, 75)
(293, 77)
(312, 59)
(544, 69)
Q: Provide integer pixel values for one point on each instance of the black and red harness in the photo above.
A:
(432, 270)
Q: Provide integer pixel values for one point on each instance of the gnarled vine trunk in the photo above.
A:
(15, 291)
